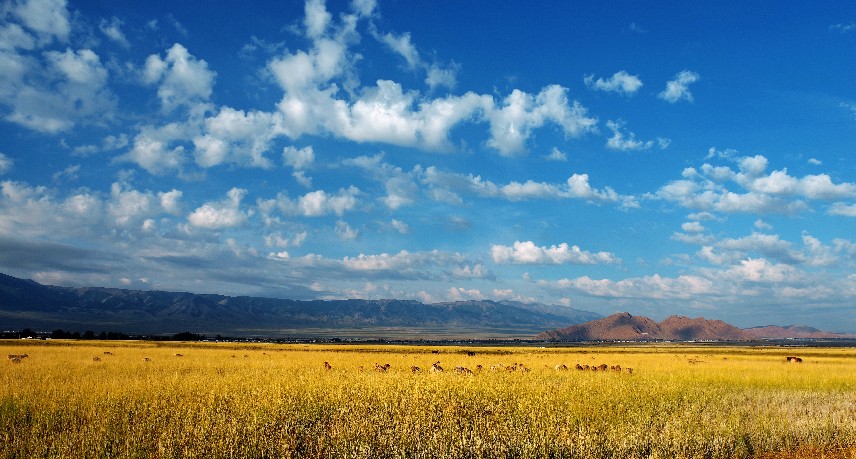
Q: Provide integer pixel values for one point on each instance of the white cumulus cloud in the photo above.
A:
(527, 252)
(184, 80)
(621, 82)
(679, 88)
(220, 215)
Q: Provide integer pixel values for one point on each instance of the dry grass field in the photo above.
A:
(166, 400)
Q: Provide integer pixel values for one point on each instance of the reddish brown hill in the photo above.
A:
(793, 332)
(701, 329)
(624, 327)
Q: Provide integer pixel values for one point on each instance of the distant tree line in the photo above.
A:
(59, 333)
(87, 335)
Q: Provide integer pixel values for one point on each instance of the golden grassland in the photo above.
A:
(266, 400)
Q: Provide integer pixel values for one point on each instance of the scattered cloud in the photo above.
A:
(476, 271)
(448, 186)
(298, 159)
(620, 82)
(221, 215)
(635, 28)
(400, 226)
(678, 89)
(6, 164)
(183, 80)
(843, 28)
(527, 252)
(762, 225)
(112, 29)
(842, 209)
(707, 189)
(556, 155)
(316, 203)
(627, 142)
(345, 232)
(512, 123)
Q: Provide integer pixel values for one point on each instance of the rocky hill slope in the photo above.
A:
(625, 327)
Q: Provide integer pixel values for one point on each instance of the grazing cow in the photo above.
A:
(96, 359)
(479, 368)
(603, 367)
(794, 359)
(415, 369)
(178, 355)
(108, 353)
(14, 359)
(381, 368)
(579, 367)
(616, 368)
(327, 366)
(435, 352)
(18, 357)
(562, 367)
(629, 370)
(471, 353)
(146, 359)
(436, 367)
(463, 370)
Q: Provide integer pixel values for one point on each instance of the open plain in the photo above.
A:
(164, 400)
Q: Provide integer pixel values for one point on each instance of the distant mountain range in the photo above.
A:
(26, 303)
(625, 327)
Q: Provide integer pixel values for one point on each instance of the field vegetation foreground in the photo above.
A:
(170, 400)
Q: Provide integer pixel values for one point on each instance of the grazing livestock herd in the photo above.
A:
(437, 368)
(515, 367)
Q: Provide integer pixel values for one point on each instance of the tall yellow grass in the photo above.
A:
(280, 401)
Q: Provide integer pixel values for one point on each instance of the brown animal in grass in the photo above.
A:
(327, 366)
(381, 368)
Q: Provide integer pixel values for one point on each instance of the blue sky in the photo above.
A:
(656, 158)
